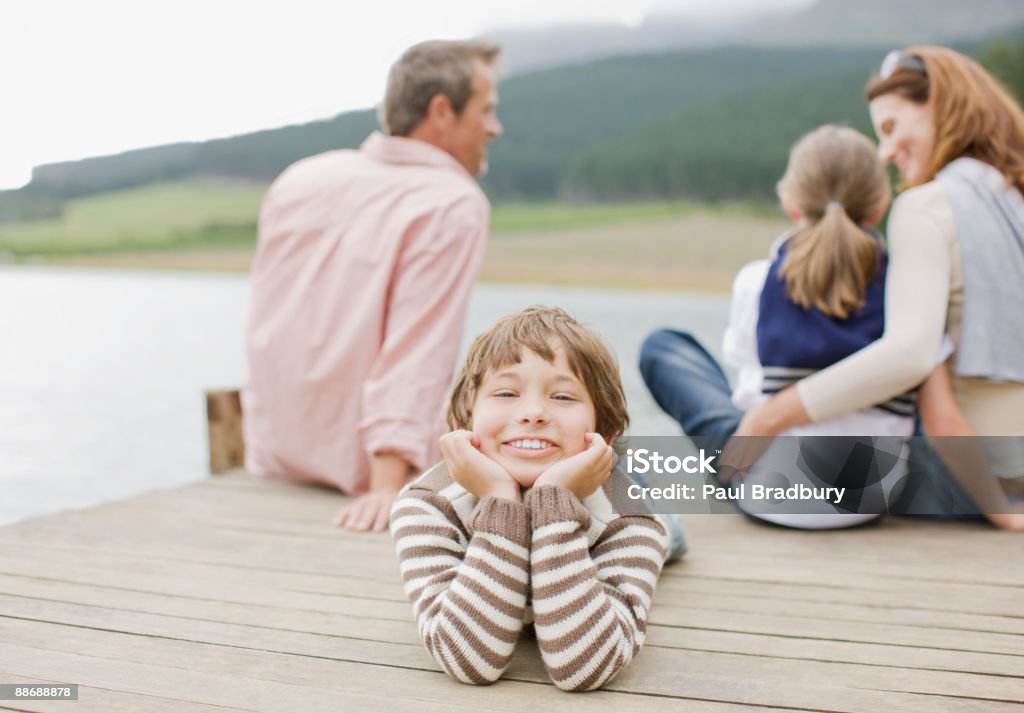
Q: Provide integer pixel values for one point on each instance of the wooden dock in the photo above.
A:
(237, 595)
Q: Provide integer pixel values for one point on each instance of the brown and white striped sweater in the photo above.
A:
(472, 568)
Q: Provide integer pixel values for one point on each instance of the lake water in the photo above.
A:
(102, 373)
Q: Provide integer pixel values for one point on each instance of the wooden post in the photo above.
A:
(224, 422)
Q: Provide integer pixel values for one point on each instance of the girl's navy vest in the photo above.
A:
(793, 342)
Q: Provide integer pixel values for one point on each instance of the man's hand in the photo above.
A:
(369, 511)
(473, 470)
(584, 472)
(388, 474)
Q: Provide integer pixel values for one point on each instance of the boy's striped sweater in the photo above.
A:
(472, 568)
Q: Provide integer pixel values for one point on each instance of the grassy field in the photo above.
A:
(156, 217)
(211, 225)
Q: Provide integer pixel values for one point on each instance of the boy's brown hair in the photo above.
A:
(535, 328)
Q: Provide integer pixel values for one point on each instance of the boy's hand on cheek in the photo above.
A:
(473, 470)
(584, 472)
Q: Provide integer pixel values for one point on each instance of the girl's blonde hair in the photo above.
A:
(837, 182)
(974, 114)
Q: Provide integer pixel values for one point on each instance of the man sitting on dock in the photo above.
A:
(360, 285)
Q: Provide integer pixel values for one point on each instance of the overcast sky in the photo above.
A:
(85, 78)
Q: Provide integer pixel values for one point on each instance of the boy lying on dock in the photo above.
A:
(519, 513)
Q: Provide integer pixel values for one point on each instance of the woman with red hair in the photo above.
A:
(956, 267)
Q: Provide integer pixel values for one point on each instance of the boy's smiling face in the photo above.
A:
(531, 415)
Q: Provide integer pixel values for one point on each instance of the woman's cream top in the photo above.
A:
(924, 299)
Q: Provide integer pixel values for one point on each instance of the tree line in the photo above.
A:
(711, 125)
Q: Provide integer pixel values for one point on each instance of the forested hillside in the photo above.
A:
(731, 148)
(551, 118)
(708, 125)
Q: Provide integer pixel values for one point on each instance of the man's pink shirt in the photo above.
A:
(360, 285)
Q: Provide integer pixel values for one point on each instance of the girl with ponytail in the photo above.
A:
(818, 299)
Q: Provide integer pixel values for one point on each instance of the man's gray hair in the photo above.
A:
(426, 70)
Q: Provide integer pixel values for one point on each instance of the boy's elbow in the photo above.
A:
(582, 685)
(575, 687)
(470, 672)
(583, 678)
(479, 679)
(483, 676)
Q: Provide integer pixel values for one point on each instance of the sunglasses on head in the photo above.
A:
(897, 60)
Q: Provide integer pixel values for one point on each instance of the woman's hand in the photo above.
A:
(760, 424)
(584, 472)
(740, 455)
(772, 416)
(1012, 521)
(473, 470)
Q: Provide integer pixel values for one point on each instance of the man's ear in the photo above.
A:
(439, 110)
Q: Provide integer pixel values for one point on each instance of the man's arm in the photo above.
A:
(404, 391)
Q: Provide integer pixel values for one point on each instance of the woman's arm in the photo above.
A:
(921, 234)
(468, 590)
(590, 604)
(965, 458)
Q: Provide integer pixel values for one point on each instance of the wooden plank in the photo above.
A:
(224, 430)
(248, 548)
(100, 699)
(866, 565)
(271, 681)
(701, 611)
(374, 562)
(938, 648)
(371, 635)
(645, 684)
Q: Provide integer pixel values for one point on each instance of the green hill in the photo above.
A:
(551, 117)
(734, 148)
(706, 125)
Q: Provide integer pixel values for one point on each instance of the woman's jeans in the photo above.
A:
(691, 387)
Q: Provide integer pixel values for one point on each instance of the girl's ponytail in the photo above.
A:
(829, 264)
(837, 183)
